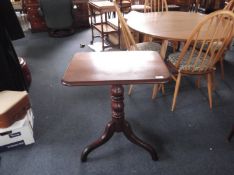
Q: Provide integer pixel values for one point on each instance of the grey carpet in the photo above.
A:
(191, 140)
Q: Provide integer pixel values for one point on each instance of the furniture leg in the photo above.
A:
(130, 89)
(222, 68)
(155, 90)
(91, 21)
(118, 124)
(102, 32)
(108, 133)
(163, 49)
(176, 91)
(209, 86)
(198, 81)
(134, 139)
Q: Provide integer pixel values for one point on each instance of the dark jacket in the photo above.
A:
(11, 76)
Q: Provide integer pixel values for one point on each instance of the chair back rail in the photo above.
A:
(155, 6)
(230, 6)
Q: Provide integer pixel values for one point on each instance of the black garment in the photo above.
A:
(11, 76)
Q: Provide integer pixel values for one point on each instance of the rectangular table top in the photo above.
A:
(102, 6)
(117, 67)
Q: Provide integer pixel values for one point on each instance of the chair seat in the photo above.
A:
(192, 66)
(152, 46)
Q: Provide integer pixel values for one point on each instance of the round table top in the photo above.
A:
(172, 25)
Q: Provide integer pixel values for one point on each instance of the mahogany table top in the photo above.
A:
(118, 67)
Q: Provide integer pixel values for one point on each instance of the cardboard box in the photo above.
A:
(13, 107)
(18, 134)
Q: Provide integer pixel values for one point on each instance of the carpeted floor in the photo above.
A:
(189, 141)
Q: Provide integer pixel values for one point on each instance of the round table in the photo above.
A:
(172, 25)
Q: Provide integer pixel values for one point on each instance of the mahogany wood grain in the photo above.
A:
(119, 67)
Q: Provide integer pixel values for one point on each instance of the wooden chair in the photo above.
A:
(230, 7)
(155, 6)
(124, 5)
(193, 6)
(129, 40)
(215, 33)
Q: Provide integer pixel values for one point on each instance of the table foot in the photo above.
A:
(134, 139)
(108, 133)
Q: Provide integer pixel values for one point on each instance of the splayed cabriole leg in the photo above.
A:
(109, 131)
(118, 124)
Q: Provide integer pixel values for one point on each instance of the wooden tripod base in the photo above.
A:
(118, 124)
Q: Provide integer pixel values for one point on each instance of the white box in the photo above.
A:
(18, 134)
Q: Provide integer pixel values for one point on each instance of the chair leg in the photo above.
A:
(209, 87)
(158, 87)
(130, 89)
(155, 91)
(176, 91)
(222, 69)
(214, 83)
(163, 89)
(175, 45)
(198, 81)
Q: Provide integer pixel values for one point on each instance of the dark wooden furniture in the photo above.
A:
(206, 6)
(80, 13)
(103, 26)
(116, 69)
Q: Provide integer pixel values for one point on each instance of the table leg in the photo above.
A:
(118, 124)
(164, 49)
(231, 134)
(92, 17)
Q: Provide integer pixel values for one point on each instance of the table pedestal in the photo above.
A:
(118, 124)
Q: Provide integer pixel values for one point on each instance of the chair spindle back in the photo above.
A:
(155, 6)
(230, 6)
(125, 31)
